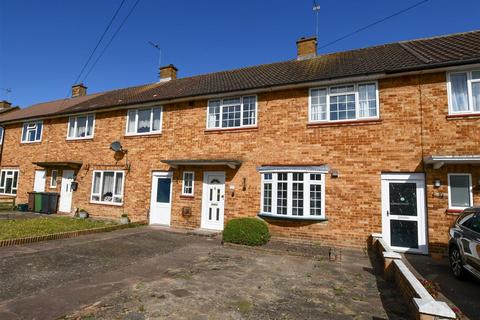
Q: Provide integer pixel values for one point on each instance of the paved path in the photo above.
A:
(147, 273)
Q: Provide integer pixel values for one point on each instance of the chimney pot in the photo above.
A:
(168, 73)
(306, 48)
(5, 104)
(79, 90)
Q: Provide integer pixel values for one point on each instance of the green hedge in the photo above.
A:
(247, 231)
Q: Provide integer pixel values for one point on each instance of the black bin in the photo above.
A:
(49, 202)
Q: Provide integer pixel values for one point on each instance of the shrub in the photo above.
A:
(247, 231)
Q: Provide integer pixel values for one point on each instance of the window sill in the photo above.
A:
(107, 203)
(143, 135)
(79, 139)
(30, 142)
(343, 123)
(291, 218)
(463, 116)
(220, 130)
(187, 197)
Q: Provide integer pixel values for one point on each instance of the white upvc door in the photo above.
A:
(40, 180)
(213, 200)
(66, 193)
(161, 198)
(404, 212)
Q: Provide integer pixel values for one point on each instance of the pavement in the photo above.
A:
(464, 294)
(150, 273)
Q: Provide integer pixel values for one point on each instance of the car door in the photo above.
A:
(474, 241)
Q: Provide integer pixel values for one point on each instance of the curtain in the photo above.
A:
(476, 95)
(71, 128)
(89, 125)
(131, 121)
(319, 104)
(144, 120)
(458, 83)
(118, 183)
(214, 114)
(81, 126)
(96, 183)
(107, 191)
(156, 119)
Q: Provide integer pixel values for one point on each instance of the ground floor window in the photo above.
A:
(107, 187)
(294, 194)
(187, 186)
(9, 181)
(459, 190)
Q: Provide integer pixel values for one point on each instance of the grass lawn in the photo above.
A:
(13, 229)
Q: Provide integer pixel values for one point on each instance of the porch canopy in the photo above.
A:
(204, 162)
(440, 161)
(60, 164)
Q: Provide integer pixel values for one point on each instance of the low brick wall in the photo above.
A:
(418, 299)
(65, 235)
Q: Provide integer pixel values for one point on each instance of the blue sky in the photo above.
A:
(44, 44)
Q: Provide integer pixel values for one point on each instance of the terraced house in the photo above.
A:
(328, 147)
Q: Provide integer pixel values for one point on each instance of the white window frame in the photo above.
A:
(306, 194)
(76, 127)
(9, 173)
(469, 92)
(101, 188)
(183, 183)
(28, 123)
(357, 102)
(2, 132)
(151, 121)
(222, 105)
(53, 182)
(450, 206)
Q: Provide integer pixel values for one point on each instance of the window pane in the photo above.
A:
(476, 96)
(341, 89)
(107, 186)
(214, 114)
(342, 107)
(459, 190)
(404, 233)
(315, 200)
(367, 100)
(39, 131)
(31, 135)
(24, 133)
(476, 75)
(118, 183)
(297, 196)
(231, 116)
(53, 183)
(71, 128)
(403, 199)
(156, 119)
(188, 183)
(143, 121)
(131, 121)
(96, 182)
(15, 179)
(90, 125)
(81, 127)
(163, 190)
(281, 198)
(459, 91)
(318, 104)
(2, 179)
(267, 197)
(249, 111)
(8, 185)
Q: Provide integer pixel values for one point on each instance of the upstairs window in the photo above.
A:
(464, 92)
(8, 182)
(107, 187)
(232, 112)
(293, 194)
(81, 127)
(344, 103)
(144, 121)
(459, 190)
(32, 132)
(1, 135)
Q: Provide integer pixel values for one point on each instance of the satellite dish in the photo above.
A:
(116, 146)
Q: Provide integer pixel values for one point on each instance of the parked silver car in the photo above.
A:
(464, 244)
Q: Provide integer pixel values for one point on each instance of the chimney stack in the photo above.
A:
(168, 73)
(306, 48)
(79, 90)
(5, 105)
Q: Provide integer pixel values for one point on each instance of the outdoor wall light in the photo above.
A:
(437, 183)
(334, 173)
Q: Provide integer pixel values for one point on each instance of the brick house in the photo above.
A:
(329, 148)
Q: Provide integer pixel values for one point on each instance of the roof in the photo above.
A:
(421, 54)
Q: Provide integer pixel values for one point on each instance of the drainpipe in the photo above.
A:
(1, 147)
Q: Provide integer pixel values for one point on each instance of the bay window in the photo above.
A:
(81, 127)
(234, 112)
(8, 181)
(144, 121)
(464, 92)
(32, 132)
(293, 193)
(344, 102)
(107, 187)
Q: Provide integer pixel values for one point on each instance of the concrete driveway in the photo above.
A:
(147, 273)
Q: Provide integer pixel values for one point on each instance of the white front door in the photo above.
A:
(65, 203)
(213, 200)
(403, 212)
(161, 198)
(40, 180)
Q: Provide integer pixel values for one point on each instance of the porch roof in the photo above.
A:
(439, 161)
(60, 164)
(231, 163)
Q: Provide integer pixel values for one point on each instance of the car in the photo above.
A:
(464, 244)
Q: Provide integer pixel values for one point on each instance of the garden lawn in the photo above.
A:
(22, 228)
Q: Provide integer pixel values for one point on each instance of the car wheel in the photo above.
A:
(456, 263)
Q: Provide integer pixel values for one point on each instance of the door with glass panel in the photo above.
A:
(403, 212)
(213, 200)
(161, 198)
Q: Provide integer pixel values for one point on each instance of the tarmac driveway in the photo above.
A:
(146, 273)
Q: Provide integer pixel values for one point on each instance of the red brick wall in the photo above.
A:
(360, 152)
